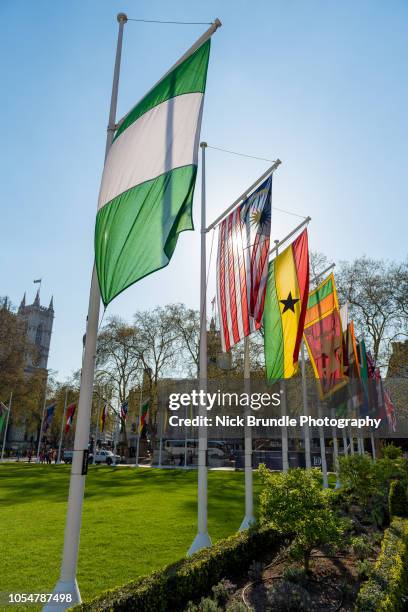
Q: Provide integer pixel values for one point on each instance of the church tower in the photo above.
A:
(38, 320)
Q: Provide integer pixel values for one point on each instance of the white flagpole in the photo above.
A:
(6, 428)
(335, 450)
(202, 539)
(98, 411)
(372, 446)
(185, 440)
(345, 443)
(62, 426)
(161, 419)
(67, 582)
(249, 518)
(322, 448)
(351, 442)
(138, 428)
(308, 457)
(42, 424)
(116, 433)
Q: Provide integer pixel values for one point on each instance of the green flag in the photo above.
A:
(148, 181)
(3, 415)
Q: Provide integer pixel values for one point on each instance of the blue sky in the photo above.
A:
(321, 85)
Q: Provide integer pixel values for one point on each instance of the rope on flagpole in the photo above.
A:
(208, 270)
(271, 161)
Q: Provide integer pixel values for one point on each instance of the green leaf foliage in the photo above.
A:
(397, 499)
(387, 588)
(296, 503)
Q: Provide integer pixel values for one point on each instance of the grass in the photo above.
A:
(134, 521)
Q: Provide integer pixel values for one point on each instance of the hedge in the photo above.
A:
(397, 499)
(170, 588)
(387, 588)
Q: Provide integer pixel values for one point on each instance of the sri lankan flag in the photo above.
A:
(323, 336)
(285, 308)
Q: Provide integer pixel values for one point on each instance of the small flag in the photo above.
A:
(323, 336)
(102, 419)
(3, 414)
(148, 181)
(49, 413)
(285, 308)
(390, 411)
(242, 265)
(70, 417)
(124, 409)
(144, 413)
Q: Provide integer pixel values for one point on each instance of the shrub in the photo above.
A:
(356, 472)
(223, 591)
(361, 547)
(387, 588)
(288, 596)
(397, 499)
(172, 587)
(296, 503)
(255, 571)
(238, 606)
(364, 569)
(390, 451)
(294, 574)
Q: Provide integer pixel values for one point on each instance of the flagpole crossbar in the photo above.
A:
(292, 233)
(246, 193)
(318, 276)
(171, 22)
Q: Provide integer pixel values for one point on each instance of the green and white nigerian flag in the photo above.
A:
(148, 181)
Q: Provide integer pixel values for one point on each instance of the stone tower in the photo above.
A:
(38, 320)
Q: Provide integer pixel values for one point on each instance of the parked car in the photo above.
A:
(105, 456)
(68, 454)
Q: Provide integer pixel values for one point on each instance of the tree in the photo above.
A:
(119, 360)
(119, 356)
(294, 502)
(27, 389)
(318, 262)
(186, 323)
(158, 345)
(368, 286)
(399, 273)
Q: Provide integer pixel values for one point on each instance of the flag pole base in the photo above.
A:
(247, 522)
(68, 587)
(202, 540)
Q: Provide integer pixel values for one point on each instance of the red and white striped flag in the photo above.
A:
(242, 265)
(70, 417)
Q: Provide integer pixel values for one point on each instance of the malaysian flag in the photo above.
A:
(242, 265)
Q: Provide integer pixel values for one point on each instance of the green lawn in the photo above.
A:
(134, 521)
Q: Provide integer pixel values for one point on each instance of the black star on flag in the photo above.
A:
(289, 303)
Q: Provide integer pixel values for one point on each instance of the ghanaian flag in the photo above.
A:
(285, 308)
